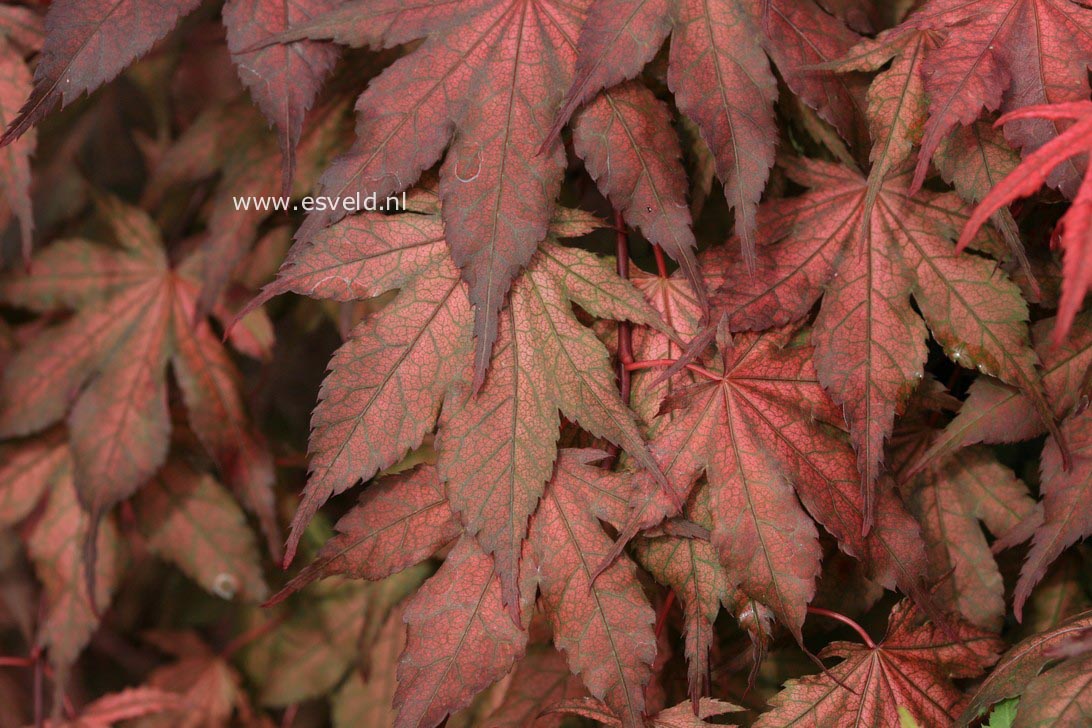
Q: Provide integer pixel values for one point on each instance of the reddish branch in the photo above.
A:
(819, 611)
(661, 262)
(653, 363)
(665, 609)
(625, 332)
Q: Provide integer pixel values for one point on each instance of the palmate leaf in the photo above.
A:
(870, 342)
(601, 622)
(996, 413)
(106, 366)
(764, 433)
(485, 85)
(284, 79)
(950, 501)
(911, 669)
(89, 43)
(388, 382)
(1036, 170)
(15, 86)
(721, 79)
(1020, 665)
(1002, 55)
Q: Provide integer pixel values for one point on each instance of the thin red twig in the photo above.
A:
(653, 363)
(661, 262)
(837, 616)
(625, 333)
(250, 635)
(665, 609)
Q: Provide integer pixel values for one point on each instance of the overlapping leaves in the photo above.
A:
(104, 369)
(388, 382)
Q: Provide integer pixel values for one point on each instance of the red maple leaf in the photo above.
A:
(387, 383)
(866, 263)
(911, 668)
(1002, 54)
(284, 79)
(721, 79)
(763, 431)
(105, 368)
(1075, 227)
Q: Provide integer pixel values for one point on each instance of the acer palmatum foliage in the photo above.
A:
(708, 340)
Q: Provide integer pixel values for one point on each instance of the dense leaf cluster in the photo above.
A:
(710, 340)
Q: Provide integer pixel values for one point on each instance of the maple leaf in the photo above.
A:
(188, 518)
(106, 366)
(15, 86)
(767, 404)
(87, 43)
(682, 715)
(995, 413)
(950, 501)
(1073, 229)
(399, 522)
(911, 669)
(1020, 665)
(870, 342)
(284, 79)
(602, 623)
(459, 641)
(720, 77)
(1060, 696)
(400, 365)
(541, 679)
(1002, 54)
(470, 81)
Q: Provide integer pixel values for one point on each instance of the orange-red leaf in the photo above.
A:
(88, 42)
(910, 669)
(284, 79)
(604, 624)
(398, 522)
(460, 639)
(1075, 227)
